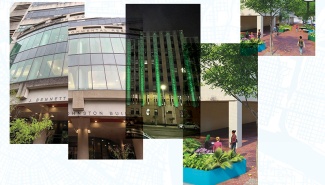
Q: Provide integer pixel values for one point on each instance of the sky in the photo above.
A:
(167, 17)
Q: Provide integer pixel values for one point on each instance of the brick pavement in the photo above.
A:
(286, 44)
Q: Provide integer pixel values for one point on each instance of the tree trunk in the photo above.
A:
(271, 35)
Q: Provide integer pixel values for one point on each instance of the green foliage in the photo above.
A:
(190, 145)
(120, 153)
(24, 132)
(285, 26)
(312, 34)
(209, 162)
(309, 27)
(224, 67)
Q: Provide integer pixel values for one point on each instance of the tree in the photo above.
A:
(299, 8)
(224, 66)
(25, 132)
(267, 8)
(14, 109)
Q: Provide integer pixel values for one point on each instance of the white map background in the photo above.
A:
(291, 115)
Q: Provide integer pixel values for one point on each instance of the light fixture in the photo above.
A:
(36, 113)
(95, 121)
(77, 131)
(52, 105)
(52, 116)
(163, 87)
(89, 131)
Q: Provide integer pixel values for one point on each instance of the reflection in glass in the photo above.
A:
(98, 75)
(113, 81)
(95, 45)
(38, 39)
(85, 77)
(73, 78)
(120, 59)
(46, 66)
(73, 46)
(35, 68)
(25, 72)
(65, 66)
(117, 45)
(121, 72)
(63, 34)
(54, 35)
(30, 42)
(96, 59)
(106, 45)
(17, 73)
(46, 37)
(57, 65)
(109, 59)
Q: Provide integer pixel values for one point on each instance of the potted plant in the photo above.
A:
(311, 36)
(210, 169)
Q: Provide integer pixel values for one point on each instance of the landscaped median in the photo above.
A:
(201, 168)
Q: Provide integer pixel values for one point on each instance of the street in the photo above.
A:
(168, 132)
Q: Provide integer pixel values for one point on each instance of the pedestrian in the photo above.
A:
(259, 34)
(233, 140)
(301, 44)
(207, 143)
(251, 36)
(277, 30)
(297, 27)
(217, 144)
(274, 30)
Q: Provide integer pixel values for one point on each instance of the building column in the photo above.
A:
(82, 125)
(235, 121)
(43, 135)
(138, 148)
(260, 24)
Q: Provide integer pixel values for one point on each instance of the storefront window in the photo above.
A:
(25, 72)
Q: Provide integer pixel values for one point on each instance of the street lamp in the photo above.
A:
(163, 88)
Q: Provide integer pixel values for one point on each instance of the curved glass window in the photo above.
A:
(96, 61)
(40, 54)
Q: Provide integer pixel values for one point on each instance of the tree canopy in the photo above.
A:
(225, 67)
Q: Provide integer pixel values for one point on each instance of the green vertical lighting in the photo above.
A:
(128, 72)
(190, 81)
(141, 70)
(172, 70)
(156, 60)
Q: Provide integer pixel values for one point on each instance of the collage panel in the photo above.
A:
(279, 29)
(163, 71)
(38, 71)
(226, 151)
(97, 78)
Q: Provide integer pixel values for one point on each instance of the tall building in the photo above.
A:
(163, 78)
(97, 90)
(39, 66)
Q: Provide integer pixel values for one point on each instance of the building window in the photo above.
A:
(148, 112)
(132, 111)
(137, 111)
(156, 112)
(181, 113)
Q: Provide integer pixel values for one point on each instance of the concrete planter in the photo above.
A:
(281, 30)
(261, 47)
(215, 176)
(311, 38)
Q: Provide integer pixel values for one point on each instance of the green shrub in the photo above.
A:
(190, 145)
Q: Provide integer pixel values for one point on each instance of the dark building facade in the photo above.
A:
(163, 78)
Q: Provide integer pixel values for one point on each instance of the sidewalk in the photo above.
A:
(285, 44)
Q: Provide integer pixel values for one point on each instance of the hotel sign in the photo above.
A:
(99, 108)
(47, 99)
(95, 113)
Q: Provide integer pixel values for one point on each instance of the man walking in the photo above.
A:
(301, 44)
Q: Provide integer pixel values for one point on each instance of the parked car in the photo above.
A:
(188, 125)
(138, 134)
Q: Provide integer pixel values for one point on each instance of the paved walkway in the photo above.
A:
(248, 150)
(285, 44)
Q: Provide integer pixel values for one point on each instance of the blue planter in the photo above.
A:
(261, 47)
(215, 176)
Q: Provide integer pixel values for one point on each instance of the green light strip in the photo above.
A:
(141, 62)
(172, 71)
(188, 69)
(128, 72)
(156, 59)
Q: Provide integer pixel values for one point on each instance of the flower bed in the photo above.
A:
(251, 46)
(202, 168)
